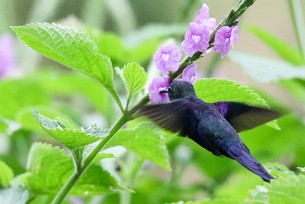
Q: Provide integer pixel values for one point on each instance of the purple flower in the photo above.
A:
(167, 58)
(226, 36)
(203, 14)
(158, 84)
(203, 18)
(196, 39)
(7, 54)
(189, 73)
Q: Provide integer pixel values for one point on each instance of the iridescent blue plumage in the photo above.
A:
(213, 126)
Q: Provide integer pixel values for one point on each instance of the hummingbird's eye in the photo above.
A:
(169, 88)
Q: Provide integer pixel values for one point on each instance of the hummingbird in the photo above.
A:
(214, 126)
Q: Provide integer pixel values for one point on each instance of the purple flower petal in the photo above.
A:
(167, 58)
(203, 14)
(158, 84)
(7, 54)
(189, 73)
(196, 39)
(225, 37)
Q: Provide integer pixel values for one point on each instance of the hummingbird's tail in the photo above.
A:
(247, 160)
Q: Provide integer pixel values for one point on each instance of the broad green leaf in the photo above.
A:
(280, 47)
(71, 138)
(25, 117)
(266, 70)
(134, 77)
(145, 140)
(6, 174)
(284, 189)
(14, 195)
(49, 168)
(72, 47)
(215, 90)
(17, 94)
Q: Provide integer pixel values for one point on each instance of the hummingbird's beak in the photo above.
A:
(163, 91)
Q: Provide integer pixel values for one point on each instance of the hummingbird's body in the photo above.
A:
(207, 125)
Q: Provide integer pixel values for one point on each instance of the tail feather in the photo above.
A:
(247, 160)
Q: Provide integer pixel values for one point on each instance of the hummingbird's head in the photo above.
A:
(179, 89)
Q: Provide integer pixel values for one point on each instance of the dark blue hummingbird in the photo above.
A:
(213, 126)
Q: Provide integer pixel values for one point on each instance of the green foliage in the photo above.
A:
(145, 140)
(6, 174)
(71, 138)
(134, 77)
(15, 194)
(280, 47)
(215, 90)
(49, 167)
(72, 47)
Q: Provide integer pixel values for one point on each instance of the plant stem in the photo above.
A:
(298, 22)
(76, 174)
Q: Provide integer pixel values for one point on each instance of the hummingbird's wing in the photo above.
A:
(244, 117)
(175, 116)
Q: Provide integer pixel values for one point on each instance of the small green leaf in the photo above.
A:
(280, 47)
(14, 195)
(6, 174)
(49, 168)
(71, 138)
(145, 140)
(266, 70)
(215, 90)
(134, 77)
(72, 47)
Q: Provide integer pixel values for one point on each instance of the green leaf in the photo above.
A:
(14, 195)
(17, 94)
(280, 47)
(6, 174)
(145, 140)
(266, 70)
(285, 189)
(71, 138)
(72, 47)
(134, 77)
(215, 90)
(49, 168)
